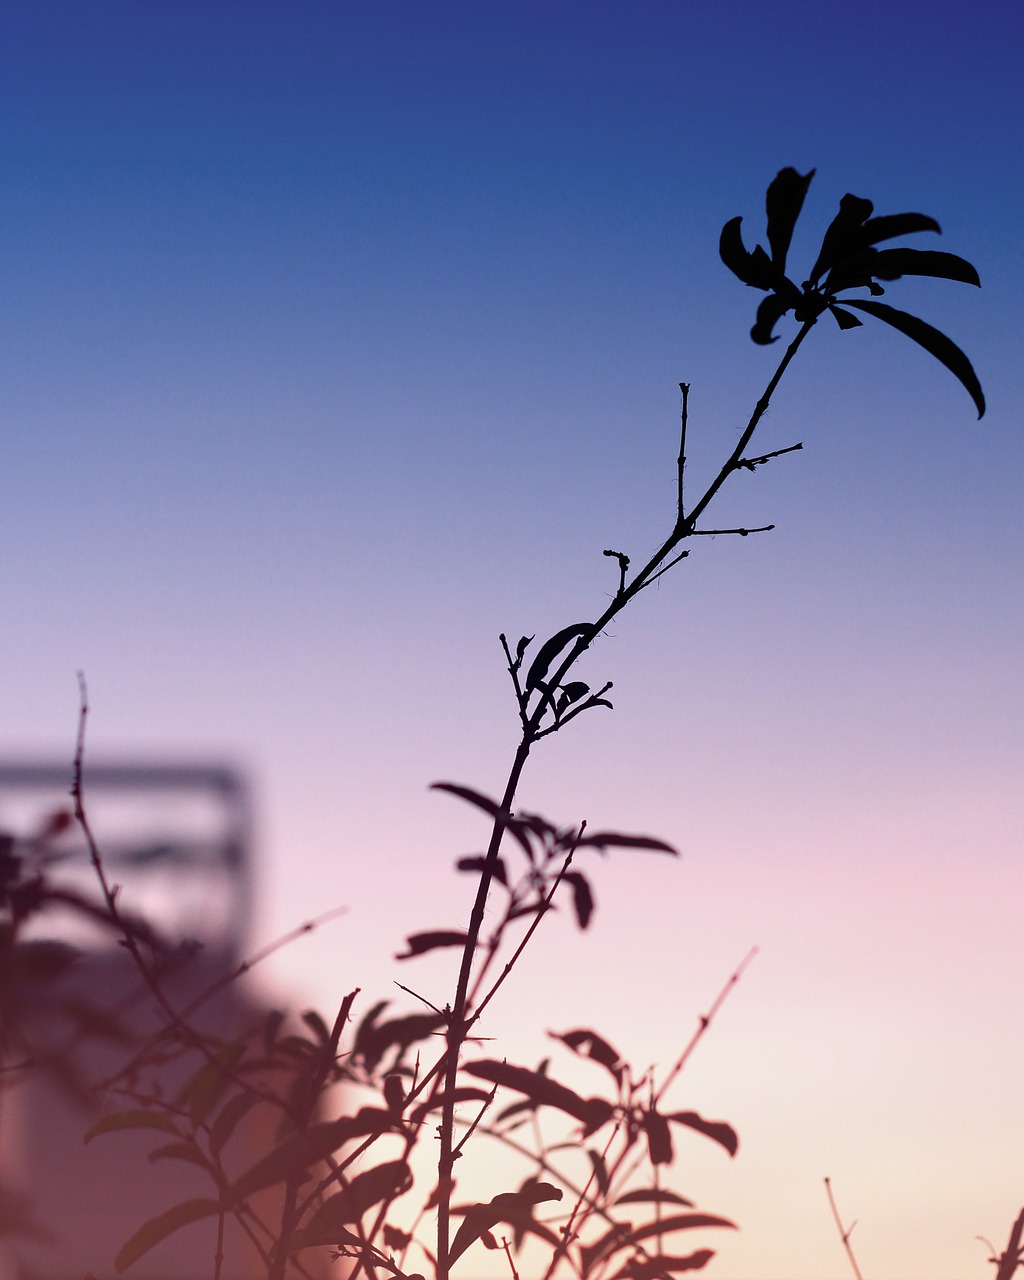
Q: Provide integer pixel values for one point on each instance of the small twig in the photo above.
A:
(713, 533)
(749, 464)
(684, 388)
(508, 1254)
(705, 1022)
(623, 560)
(844, 1232)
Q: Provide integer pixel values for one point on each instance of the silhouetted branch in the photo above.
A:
(844, 1232)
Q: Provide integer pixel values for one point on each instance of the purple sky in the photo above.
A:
(338, 338)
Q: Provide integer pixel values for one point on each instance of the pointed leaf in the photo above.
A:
(890, 264)
(653, 1195)
(298, 1152)
(510, 1206)
(419, 944)
(187, 1151)
(212, 1080)
(490, 807)
(650, 1267)
(476, 864)
(890, 225)
(582, 898)
(659, 1138)
(135, 1118)
(769, 313)
(588, 1044)
(619, 840)
(844, 235)
(160, 1227)
(783, 203)
(226, 1120)
(717, 1130)
(844, 319)
(754, 269)
(543, 1091)
(935, 343)
(550, 650)
(619, 1238)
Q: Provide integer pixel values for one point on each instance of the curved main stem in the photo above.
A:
(460, 1018)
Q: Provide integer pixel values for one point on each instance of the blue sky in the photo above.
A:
(340, 337)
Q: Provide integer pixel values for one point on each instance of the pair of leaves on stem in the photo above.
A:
(848, 259)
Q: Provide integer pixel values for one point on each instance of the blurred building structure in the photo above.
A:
(176, 840)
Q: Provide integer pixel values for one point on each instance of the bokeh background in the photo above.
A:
(339, 337)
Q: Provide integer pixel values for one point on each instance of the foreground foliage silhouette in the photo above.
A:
(594, 1200)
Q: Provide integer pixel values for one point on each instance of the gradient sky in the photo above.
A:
(338, 338)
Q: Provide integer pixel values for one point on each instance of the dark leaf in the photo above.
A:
(394, 1093)
(419, 944)
(476, 864)
(301, 1151)
(226, 1120)
(603, 840)
(510, 1206)
(935, 343)
(890, 225)
(345, 1208)
(367, 1029)
(317, 1025)
(43, 960)
(550, 650)
(272, 1025)
(396, 1239)
(521, 647)
(582, 898)
(844, 319)
(464, 1094)
(783, 203)
(717, 1130)
(399, 1033)
(659, 1138)
(572, 692)
(543, 1091)
(608, 1243)
(597, 1163)
(844, 236)
(769, 313)
(489, 806)
(187, 1151)
(653, 1195)
(588, 1044)
(890, 264)
(134, 1118)
(212, 1081)
(754, 269)
(160, 1227)
(648, 1267)
(619, 1239)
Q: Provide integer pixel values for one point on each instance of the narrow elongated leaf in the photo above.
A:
(227, 1118)
(603, 840)
(659, 1138)
(490, 807)
(622, 1237)
(935, 343)
(653, 1195)
(510, 1206)
(550, 650)
(346, 1207)
(419, 944)
(187, 1151)
(650, 1267)
(717, 1130)
(298, 1152)
(582, 897)
(134, 1118)
(844, 235)
(890, 264)
(464, 1094)
(769, 313)
(211, 1082)
(890, 225)
(543, 1091)
(476, 864)
(162, 1226)
(588, 1044)
(844, 319)
(754, 269)
(783, 202)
